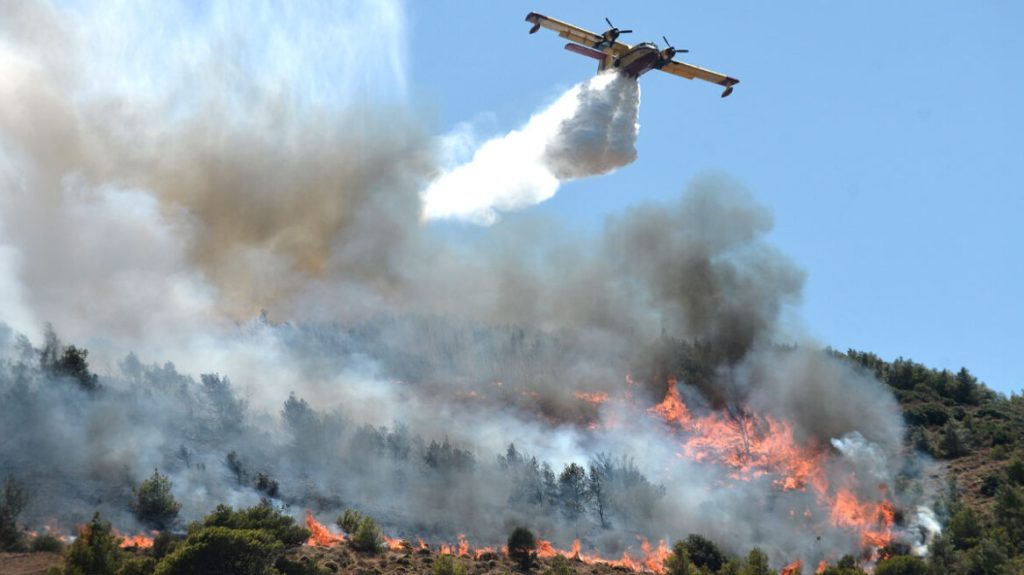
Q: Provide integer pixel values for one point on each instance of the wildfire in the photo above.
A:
(319, 534)
(755, 446)
(594, 397)
(672, 409)
(874, 520)
(53, 532)
(140, 541)
(651, 559)
(751, 446)
(794, 568)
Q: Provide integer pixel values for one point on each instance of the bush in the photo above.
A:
(70, 361)
(448, 565)
(757, 563)
(261, 517)
(559, 566)
(215, 550)
(349, 521)
(901, 565)
(94, 552)
(300, 566)
(965, 529)
(522, 547)
(1015, 471)
(990, 484)
(46, 543)
(846, 566)
(12, 502)
(678, 563)
(952, 446)
(137, 566)
(154, 504)
(163, 544)
(704, 553)
(367, 537)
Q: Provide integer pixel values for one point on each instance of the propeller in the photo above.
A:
(671, 50)
(614, 32)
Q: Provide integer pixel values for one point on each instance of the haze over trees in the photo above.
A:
(948, 415)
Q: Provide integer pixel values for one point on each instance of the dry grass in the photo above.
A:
(27, 563)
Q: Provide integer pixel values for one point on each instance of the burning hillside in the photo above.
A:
(614, 391)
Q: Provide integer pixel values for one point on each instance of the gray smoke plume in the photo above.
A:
(151, 208)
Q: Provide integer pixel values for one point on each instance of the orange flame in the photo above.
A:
(794, 568)
(756, 446)
(396, 544)
(651, 560)
(873, 520)
(752, 445)
(594, 397)
(141, 540)
(672, 409)
(54, 531)
(545, 549)
(319, 534)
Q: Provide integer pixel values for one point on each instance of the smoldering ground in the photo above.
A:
(160, 215)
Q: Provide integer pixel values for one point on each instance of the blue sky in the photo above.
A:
(884, 136)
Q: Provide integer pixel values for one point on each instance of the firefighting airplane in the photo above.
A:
(633, 61)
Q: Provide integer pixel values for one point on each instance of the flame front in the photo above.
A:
(749, 446)
(794, 568)
(319, 534)
(753, 446)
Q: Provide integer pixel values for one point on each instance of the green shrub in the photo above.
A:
(965, 529)
(1015, 471)
(13, 500)
(757, 563)
(522, 546)
(163, 544)
(300, 566)
(901, 565)
(559, 566)
(137, 566)
(262, 517)
(349, 521)
(448, 565)
(846, 566)
(154, 504)
(678, 563)
(46, 543)
(94, 552)
(367, 537)
(216, 550)
(704, 553)
(990, 484)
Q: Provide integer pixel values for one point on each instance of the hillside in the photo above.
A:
(975, 434)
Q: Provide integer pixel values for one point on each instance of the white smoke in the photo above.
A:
(925, 525)
(588, 131)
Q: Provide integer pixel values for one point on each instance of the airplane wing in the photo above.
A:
(575, 34)
(690, 72)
